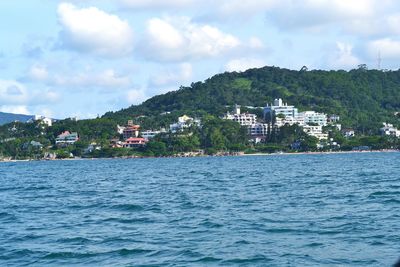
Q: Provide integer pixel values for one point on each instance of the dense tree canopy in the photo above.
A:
(362, 98)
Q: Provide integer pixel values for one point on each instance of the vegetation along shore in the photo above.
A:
(266, 110)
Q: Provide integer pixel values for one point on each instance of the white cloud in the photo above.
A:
(14, 95)
(387, 47)
(243, 64)
(173, 76)
(44, 112)
(95, 31)
(38, 73)
(291, 14)
(12, 92)
(239, 9)
(105, 79)
(256, 43)
(135, 96)
(177, 39)
(343, 57)
(154, 4)
(87, 78)
(15, 109)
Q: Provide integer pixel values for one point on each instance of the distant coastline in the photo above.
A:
(239, 154)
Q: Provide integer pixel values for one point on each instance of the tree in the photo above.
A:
(156, 148)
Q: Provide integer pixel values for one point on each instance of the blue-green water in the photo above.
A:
(296, 210)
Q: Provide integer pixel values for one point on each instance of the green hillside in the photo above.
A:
(10, 117)
(363, 98)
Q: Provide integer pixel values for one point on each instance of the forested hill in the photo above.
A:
(363, 98)
(10, 117)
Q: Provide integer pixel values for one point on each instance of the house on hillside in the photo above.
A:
(131, 131)
(150, 134)
(67, 138)
(348, 132)
(316, 131)
(390, 130)
(134, 142)
(184, 122)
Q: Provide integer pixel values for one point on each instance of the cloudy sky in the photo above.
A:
(83, 58)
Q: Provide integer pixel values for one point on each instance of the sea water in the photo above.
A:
(280, 210)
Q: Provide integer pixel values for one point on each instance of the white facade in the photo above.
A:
(244, 119)
(290, 121)
(389, 129)
(44, 120)
(348, 133)
(67, 138)
(149, 134)
(314, 117)
(278, 107)
(333, 118)
(184, 122)
(315, 131)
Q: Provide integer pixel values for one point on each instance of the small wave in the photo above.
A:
(377, 243)
(191, 254)
(6, 217)
(383, 193)
(37, 188)
(392, 201)
(282, 230)
(128, 207)
(242, 242)
(127, 252)
(15, 254)
(208, 259)
(131, 220)
(314, 244)
(210, 224)
(68, 255)
(74, 240)
(251, 260)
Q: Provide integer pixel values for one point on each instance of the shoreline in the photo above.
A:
(239, 154)
(323, 152)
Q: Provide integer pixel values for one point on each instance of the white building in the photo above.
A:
(67, 138)
(348, 133)
(315, 131)
(390, 130)
(279, 122)
(312, 117)
(42, 119)
(258, 129)
(150, 134)
(244, 119)
(184, 122)
(278, 107)
(333, 118)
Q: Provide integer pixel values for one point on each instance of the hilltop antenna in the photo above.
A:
(379, 60)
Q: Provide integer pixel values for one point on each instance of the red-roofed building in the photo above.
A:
(131, 131)
(134, 142)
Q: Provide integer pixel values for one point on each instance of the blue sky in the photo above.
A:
(84, 58)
